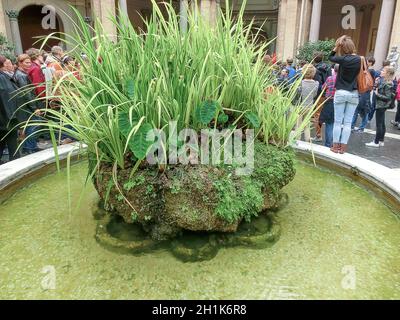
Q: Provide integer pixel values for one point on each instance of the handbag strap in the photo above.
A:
(364, 66)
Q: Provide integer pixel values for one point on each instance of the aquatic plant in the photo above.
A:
(209, 76)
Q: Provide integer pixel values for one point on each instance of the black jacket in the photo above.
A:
(349, 68)
(385, 95)
(8, 103)
(322, 73)
(25, 97)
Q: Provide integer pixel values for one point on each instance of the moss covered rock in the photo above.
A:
(196, 197)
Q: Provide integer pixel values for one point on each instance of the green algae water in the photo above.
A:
(338, 242)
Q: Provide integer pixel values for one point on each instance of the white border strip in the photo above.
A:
(15, 170)
(387, 178)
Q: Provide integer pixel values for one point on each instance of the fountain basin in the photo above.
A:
(332, 229)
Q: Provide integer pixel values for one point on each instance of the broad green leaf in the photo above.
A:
(125, 126)
(130, 88)
(223, 118)
(139, 145)
(253, 119)
(207, 111)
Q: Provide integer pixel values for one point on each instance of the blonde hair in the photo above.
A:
(22, 57)
(390, 72)
(33, 53)
(345, 45)
(309, 71)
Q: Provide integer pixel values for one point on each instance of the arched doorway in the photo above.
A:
(30, 23)
(367, 15)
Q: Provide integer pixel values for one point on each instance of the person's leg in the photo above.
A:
(397, 117)
(373, 104)
(363, 109)
(298, 124)
(351, 106)
(307, 133)
(318, 127)
(379, 125)
(339, 106)
(355, 117)
(12, 144)
(30, 144)
(328, 134)
(316, 123)
(2, 143)
(364, 123)
(382, 139)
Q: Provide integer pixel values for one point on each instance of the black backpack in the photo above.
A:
(393, 99)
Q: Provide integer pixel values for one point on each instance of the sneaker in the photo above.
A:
(372, 144)
(30, 151)
(381, 144)
(396, 124)
(66, 141)
(316, 139)
(44, 145)
(359, 130)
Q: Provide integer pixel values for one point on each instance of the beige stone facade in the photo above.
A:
(287, 23)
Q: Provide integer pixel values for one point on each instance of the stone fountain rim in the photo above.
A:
(378, 175)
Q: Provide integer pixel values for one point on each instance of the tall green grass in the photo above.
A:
(147, 79)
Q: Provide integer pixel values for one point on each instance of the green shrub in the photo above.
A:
(6, 48)
(307, 51)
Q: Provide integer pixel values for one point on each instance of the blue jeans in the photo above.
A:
(345, 104)
(30, 144)
(328, 134)
(373, 105)
(363, 109)
(364, 120)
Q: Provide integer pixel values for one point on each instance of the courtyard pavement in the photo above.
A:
(389, 155)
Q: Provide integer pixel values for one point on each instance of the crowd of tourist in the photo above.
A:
(331, 88)
(26, 91)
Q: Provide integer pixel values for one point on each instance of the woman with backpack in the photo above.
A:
(396, 121)
(346, 96)
(385, 99)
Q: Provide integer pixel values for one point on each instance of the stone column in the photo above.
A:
(302, 22)
(384, 29)
(104, 10)
(16, 36)
(3, 29)
(209, 10)
(288, 28)
(281, 29)
(315, 20)
(183, 13)
(395, 40)
(123, 7)
(307, 22)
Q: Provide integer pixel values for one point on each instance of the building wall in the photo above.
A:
(285, 18)
(331, 16)
(62, 9)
